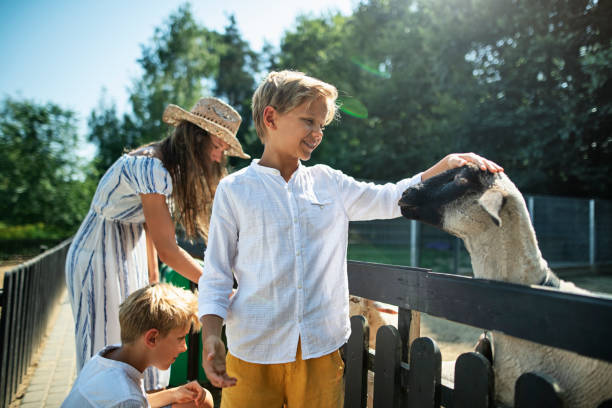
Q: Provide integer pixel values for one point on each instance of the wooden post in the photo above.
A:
(473, 381)
(424, 375)
(535, 390)
(387, 368)
(409, 326)
(356, 367)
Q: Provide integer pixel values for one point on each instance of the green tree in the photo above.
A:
(524, 83)
(176, 68)
(41, 177)
(183, 62)
(396, 107)
(544, 72)
(235, 82)
(108, 132)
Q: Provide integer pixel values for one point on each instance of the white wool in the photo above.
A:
(510, 253)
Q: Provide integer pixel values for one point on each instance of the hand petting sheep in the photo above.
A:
(455, 160)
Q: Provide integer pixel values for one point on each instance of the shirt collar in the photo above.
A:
(131, 371)
(269, 170)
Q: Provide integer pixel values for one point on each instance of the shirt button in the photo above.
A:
(295, 219)
(297, 253)
(300, 286)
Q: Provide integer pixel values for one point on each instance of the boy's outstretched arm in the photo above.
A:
(459, 159)
(213, 352)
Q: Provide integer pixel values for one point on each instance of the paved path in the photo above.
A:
(56, 370)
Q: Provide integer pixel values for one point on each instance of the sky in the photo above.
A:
(67, 51)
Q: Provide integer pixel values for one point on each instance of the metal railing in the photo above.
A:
(571, 232)
(29, 294)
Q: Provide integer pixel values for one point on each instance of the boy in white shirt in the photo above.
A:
(281, 229)
(154, 321)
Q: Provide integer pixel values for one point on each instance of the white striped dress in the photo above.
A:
(107, 259)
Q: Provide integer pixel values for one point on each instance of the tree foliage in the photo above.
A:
(527, 84)
(183, 62)
(39, 169)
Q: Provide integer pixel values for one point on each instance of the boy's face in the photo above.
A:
(297, 133)
(168, 348)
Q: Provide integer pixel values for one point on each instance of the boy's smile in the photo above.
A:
(294, 135)
(301, 129)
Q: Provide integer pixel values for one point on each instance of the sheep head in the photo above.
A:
(488, 212)
(448, 200)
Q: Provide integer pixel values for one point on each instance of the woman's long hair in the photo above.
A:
(185, 154)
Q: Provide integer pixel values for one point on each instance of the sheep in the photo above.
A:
(489, 214)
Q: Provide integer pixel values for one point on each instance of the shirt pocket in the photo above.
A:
(320, 214)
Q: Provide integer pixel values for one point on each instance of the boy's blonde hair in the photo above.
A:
(158, 306)
(286, 90)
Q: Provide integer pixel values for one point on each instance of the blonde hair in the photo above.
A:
(158, 306)
(285, 91)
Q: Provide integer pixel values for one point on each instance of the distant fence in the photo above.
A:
(408, 368)
(571, 232)
(29, 294)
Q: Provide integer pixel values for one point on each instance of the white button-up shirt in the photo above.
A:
(286, 244)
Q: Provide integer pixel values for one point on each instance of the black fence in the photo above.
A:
(29, 294)
(407, 368)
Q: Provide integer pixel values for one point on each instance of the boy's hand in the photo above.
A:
(192, 395)
(188, 392)
(460, 159)
(213, 362)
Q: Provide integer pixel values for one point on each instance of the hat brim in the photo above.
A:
(174, 115)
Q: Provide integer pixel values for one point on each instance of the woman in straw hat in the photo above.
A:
(130, 220)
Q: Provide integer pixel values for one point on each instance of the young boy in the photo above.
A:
(281, 228)
(154, 321)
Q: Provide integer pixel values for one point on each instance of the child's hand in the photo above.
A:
(188, 392)
(192, 395)
(460, 159)
(213, 362)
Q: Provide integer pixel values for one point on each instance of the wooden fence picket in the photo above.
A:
(473, 381)
(387, 368)
(356, 368)
(536, 390)
(424, 375)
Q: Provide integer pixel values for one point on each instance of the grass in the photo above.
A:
(438, 260)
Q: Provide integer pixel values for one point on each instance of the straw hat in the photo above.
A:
(214, 116)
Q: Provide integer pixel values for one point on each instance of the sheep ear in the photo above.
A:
(492, 202)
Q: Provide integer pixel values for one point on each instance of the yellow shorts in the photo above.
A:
(316, 382)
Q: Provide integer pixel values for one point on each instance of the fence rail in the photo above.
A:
(408, 368)
(29, 294)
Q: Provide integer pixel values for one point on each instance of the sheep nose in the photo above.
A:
(404, 202)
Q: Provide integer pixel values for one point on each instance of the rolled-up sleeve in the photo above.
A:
(215, 284)
(367, 201)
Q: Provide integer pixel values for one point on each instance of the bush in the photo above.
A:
(24, 241)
